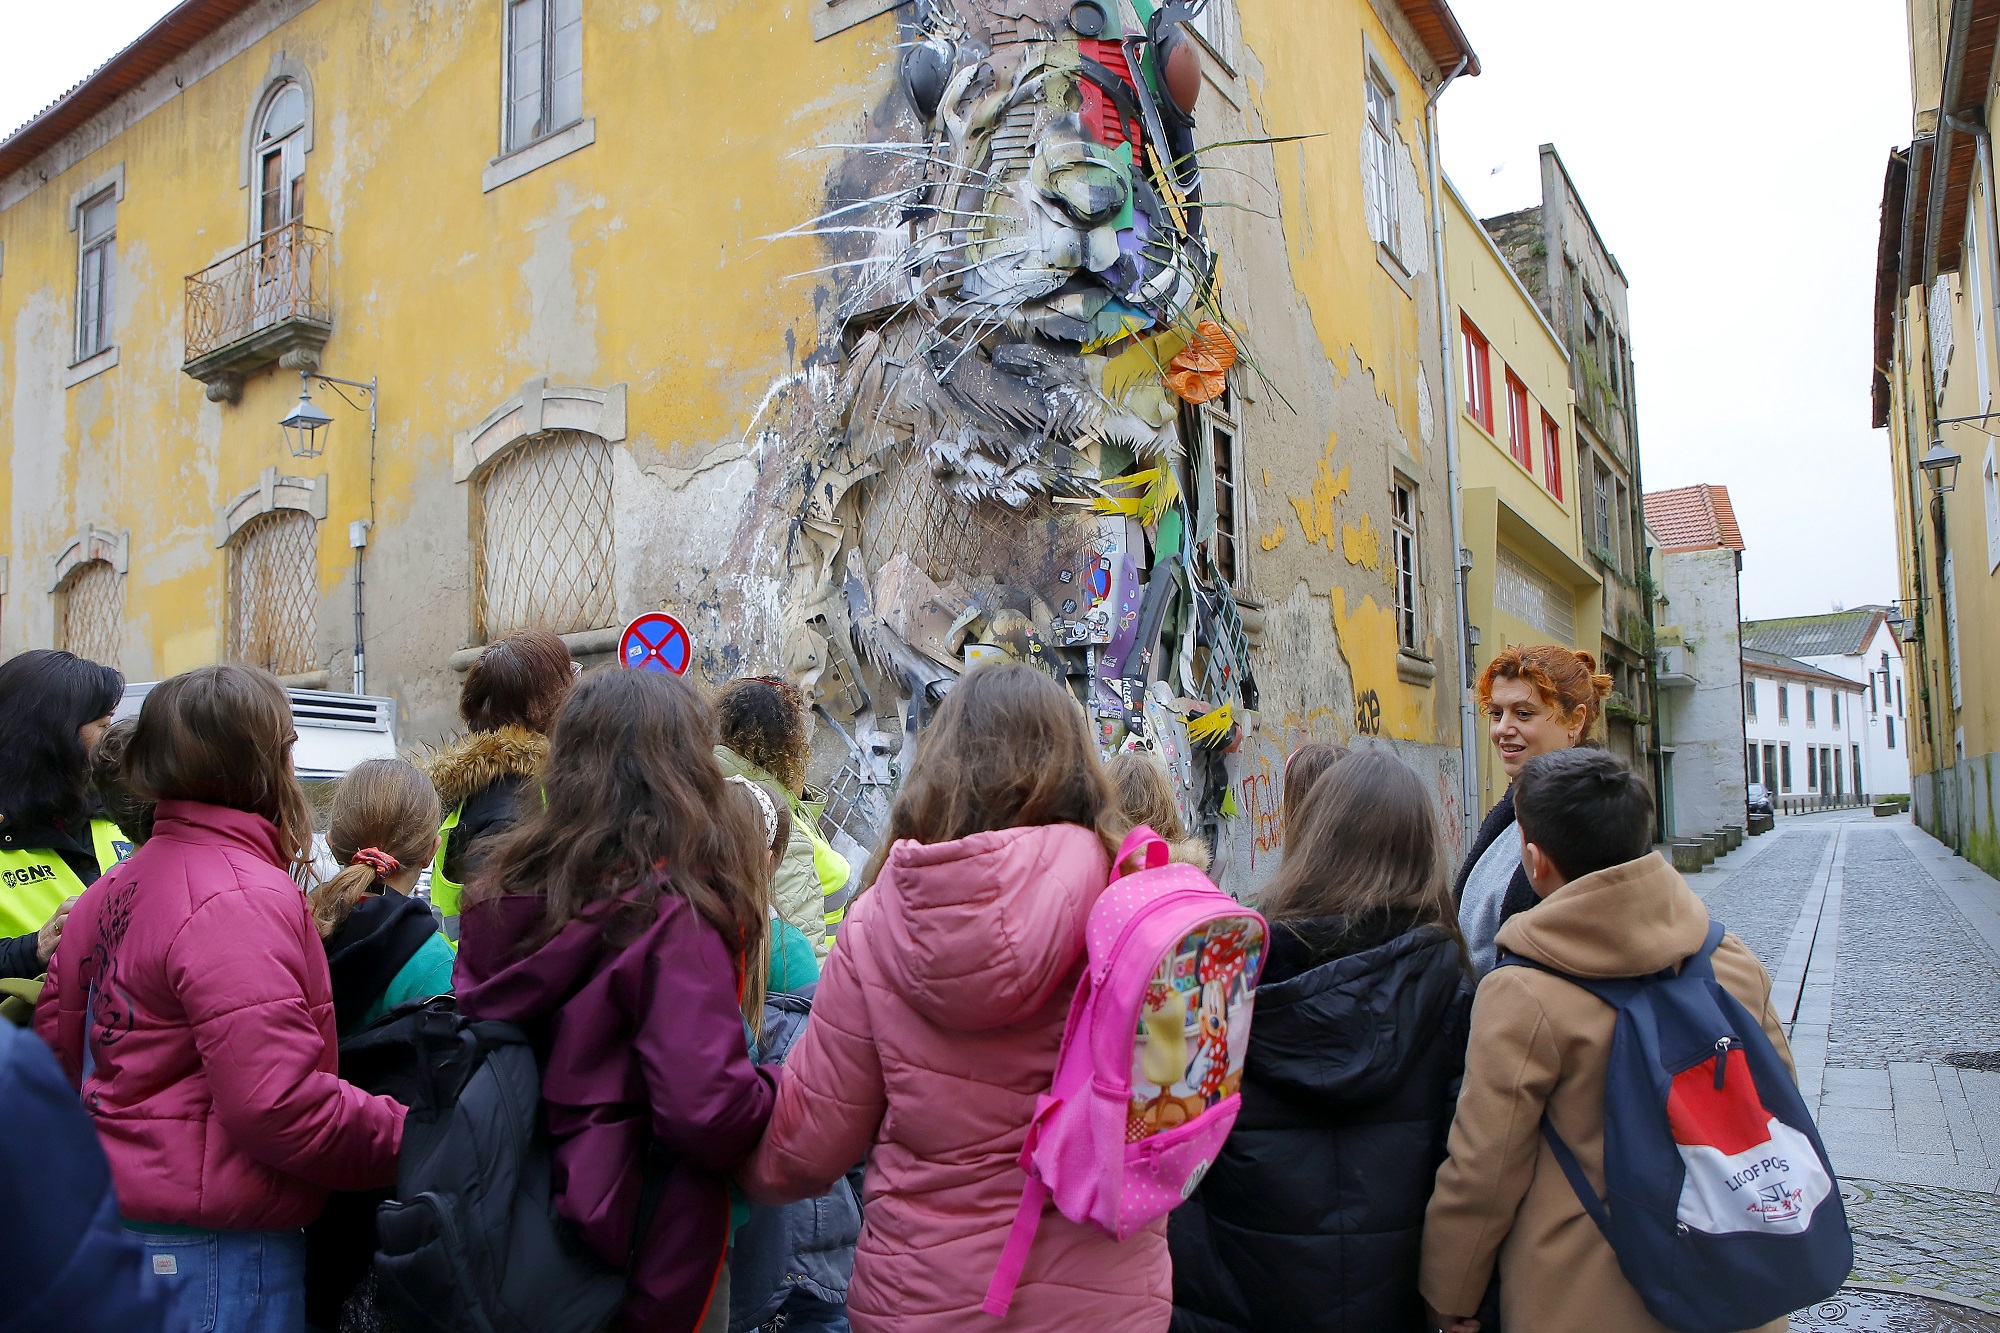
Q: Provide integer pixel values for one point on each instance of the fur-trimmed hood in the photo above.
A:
(476, 761)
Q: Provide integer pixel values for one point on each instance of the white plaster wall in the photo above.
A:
(1707, 735)
(1886, 770)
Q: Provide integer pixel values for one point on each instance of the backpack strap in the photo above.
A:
(1585, 1194)
(1157, 853)
(1014, 1255)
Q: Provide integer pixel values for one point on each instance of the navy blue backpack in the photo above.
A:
(1722, 1206)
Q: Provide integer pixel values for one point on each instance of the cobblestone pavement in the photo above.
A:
(1761, 902)
(1915, 983)
(1914, 986)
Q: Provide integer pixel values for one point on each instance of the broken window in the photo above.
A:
(1600, 532)
(274, 591)
(1378, 167)
(1218, 426)
(544, 537)
(1403, 545)
(281, 160)
(97, 236)
(88, 606)
(544, 69)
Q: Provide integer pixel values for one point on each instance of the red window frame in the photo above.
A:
(1519, 442)
(1552, 456)
(1478, 375)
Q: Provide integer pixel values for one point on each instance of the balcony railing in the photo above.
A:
(248, 310)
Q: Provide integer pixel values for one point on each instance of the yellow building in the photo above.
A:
(811, 324)
(1529, 581)
(1937, 298)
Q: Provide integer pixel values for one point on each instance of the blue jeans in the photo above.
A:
(232, 1281)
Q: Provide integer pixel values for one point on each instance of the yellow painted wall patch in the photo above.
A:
(1361, 544)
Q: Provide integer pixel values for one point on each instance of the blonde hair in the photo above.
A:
(385, 806)
(1146, 796)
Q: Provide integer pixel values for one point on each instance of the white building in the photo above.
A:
(1803, 729)
(1697, 557)
(1859, 646)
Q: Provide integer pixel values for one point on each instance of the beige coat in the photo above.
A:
(1538, 1043)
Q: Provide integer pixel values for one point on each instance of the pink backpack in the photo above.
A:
(1146, 1085)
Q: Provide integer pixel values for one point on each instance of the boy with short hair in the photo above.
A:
(1610, 907)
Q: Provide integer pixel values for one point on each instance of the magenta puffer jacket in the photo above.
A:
(935, 1027)
(210, 1046)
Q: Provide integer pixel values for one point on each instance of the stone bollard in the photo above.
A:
(1686, 856)
(1734, 834)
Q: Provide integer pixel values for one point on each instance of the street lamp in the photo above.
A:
(305, 427)
(1942, 465)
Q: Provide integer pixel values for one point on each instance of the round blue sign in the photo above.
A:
(656, 642)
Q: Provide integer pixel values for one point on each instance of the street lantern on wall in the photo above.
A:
(1942, 466)
(306, 427)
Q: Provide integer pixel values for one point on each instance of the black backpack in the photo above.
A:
(471, 1242)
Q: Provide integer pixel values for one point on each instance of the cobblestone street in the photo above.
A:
(1885, 953)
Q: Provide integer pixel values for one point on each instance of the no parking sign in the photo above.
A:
(656, 642)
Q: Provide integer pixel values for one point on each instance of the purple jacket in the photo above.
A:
(644, 1044)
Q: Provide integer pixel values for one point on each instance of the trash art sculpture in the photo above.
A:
(1010, 454)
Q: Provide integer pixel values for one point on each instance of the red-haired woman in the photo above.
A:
(1537, 698)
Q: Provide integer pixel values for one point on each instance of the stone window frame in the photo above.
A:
(102, 357)
(535, 410)
(113, 546)
(273, 490)
(515, 160)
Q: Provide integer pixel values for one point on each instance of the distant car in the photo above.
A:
(1759, 799)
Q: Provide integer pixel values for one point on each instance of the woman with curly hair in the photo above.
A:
(1537, 698)
(767, 739)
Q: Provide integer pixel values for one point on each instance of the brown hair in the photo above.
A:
(757, 966)
(223, 735)
(1008, 749)
(763, 719)
(1302, 768)
(1146, 796)
(520, 681)
(1566, 678)
(633, 810)
(131, 812)
(387, 805)
(1367, 844)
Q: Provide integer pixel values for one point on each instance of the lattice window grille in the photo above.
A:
(545, 557)
(91, 599)
(274, 592)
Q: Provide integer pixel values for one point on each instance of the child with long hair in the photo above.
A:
(1312, 1215)
(1302, 768)
(938, 1020)
(1146, 796)
(616, 922)
(192, 1004)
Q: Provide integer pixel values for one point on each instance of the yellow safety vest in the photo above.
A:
(445, 893)
(34, 883)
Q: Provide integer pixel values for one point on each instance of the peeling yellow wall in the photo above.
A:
(640, 259)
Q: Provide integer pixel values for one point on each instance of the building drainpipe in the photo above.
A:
(1461, 558)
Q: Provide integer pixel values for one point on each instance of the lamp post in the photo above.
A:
(306, 429)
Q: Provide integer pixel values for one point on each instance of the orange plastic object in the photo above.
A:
(1200, 371)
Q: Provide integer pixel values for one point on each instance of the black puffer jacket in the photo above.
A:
(1310, 1219)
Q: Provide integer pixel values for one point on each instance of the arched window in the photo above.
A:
(89, 611)
(543, 537)
(280, 159)
(274, 591)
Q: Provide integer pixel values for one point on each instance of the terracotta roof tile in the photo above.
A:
(1694, 518)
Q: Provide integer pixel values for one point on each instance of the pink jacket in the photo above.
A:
(209, 1050)
(935, 1027)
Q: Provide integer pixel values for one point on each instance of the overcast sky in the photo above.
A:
(1730, 151)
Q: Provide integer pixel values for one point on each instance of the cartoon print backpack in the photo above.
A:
(1721, 1202)
(1146, 1084)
